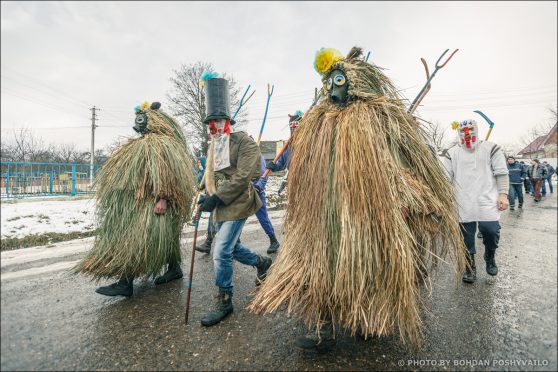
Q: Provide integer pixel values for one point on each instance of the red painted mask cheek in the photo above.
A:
(212, 127)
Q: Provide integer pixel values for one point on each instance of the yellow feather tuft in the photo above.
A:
(325, 58)
(145, 105)
(454, 125)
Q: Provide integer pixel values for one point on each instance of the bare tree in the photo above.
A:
(66, 153)
(540, 129)
(187, 103)
(436, 134)
(26, 146)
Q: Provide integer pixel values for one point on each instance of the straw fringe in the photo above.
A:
(132, 241)
(361, 233)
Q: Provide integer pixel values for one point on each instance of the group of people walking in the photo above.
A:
(353, 254)
(532, 177)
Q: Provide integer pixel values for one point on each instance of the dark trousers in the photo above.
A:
(515, 191)
(528, 186)
(543, 183)
(490, 231)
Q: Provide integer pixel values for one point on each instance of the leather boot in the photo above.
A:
(470, 274)
(491, 267)
(320, 342)
(123, 287)
(273, 244)
(263, 265)
(205, 247)
(173, 272)
(223, 308)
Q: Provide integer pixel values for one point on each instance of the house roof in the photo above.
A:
(551, 134)
(536, 145)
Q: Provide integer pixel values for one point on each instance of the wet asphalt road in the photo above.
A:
(52, 320)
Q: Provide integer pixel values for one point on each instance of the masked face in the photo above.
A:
(338, 87)
(468, 133)
(293, 122)
(140, 122)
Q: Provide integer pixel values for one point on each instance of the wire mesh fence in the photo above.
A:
(27, 179)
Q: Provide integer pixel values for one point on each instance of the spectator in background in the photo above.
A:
(526, 181)
(538, 172)
(201, 169)
(516, 174)
(550, 171)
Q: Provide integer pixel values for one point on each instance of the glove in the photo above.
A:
(271, 166)
(209, 203)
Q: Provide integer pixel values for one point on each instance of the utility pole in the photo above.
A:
(93, 126)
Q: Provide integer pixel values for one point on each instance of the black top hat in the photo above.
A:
(217, 102)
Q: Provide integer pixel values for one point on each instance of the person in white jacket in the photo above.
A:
(479, 174)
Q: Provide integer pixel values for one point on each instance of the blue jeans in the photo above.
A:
(544, 181)
(515, 192)
(263, 217)
(226, 248)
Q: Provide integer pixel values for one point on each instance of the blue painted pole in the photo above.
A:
(8, 181)
(51, 188)
(73, 179)
(269, 93)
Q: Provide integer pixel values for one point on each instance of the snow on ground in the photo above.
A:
(26, 217)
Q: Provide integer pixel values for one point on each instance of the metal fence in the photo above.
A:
(24, 179)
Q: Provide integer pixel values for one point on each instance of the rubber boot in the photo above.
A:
(263, 265)
(123, 287)
(205, 247)
(223, 308)
(470, 274)
(273, 245)
(320, 342)
(491, 267)
(173, 272)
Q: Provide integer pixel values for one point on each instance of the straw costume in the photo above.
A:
(369, 207)
(143, 198)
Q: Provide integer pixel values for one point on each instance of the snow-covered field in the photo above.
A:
(28, 216)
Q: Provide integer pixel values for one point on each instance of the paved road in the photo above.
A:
(52, 320)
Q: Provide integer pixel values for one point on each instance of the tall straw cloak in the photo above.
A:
(132, 241)
(369, 207)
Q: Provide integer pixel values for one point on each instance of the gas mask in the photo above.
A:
(141, 117)
(468, 134)
(140, 122)
(338, 87)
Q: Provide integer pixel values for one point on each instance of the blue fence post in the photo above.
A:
(51, 185)
(73, 179)
(8, 181)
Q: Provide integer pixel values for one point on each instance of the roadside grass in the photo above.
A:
(47, 239)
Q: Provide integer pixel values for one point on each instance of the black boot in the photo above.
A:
(205, 247)
(470, 274)
(223, 308)
(263, 265)
(491, 267)
(273, 244)
(173, 272)
(123, 287)
(317, 342)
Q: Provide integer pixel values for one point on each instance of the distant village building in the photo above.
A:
(543, 146)
(270, 148)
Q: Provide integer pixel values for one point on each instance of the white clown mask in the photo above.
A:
(468, 133)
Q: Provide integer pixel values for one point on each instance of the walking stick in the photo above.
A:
(196, 224)
(269, 93)
(425, 88)
(490, 123)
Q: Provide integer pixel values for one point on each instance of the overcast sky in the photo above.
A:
(58, 59)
